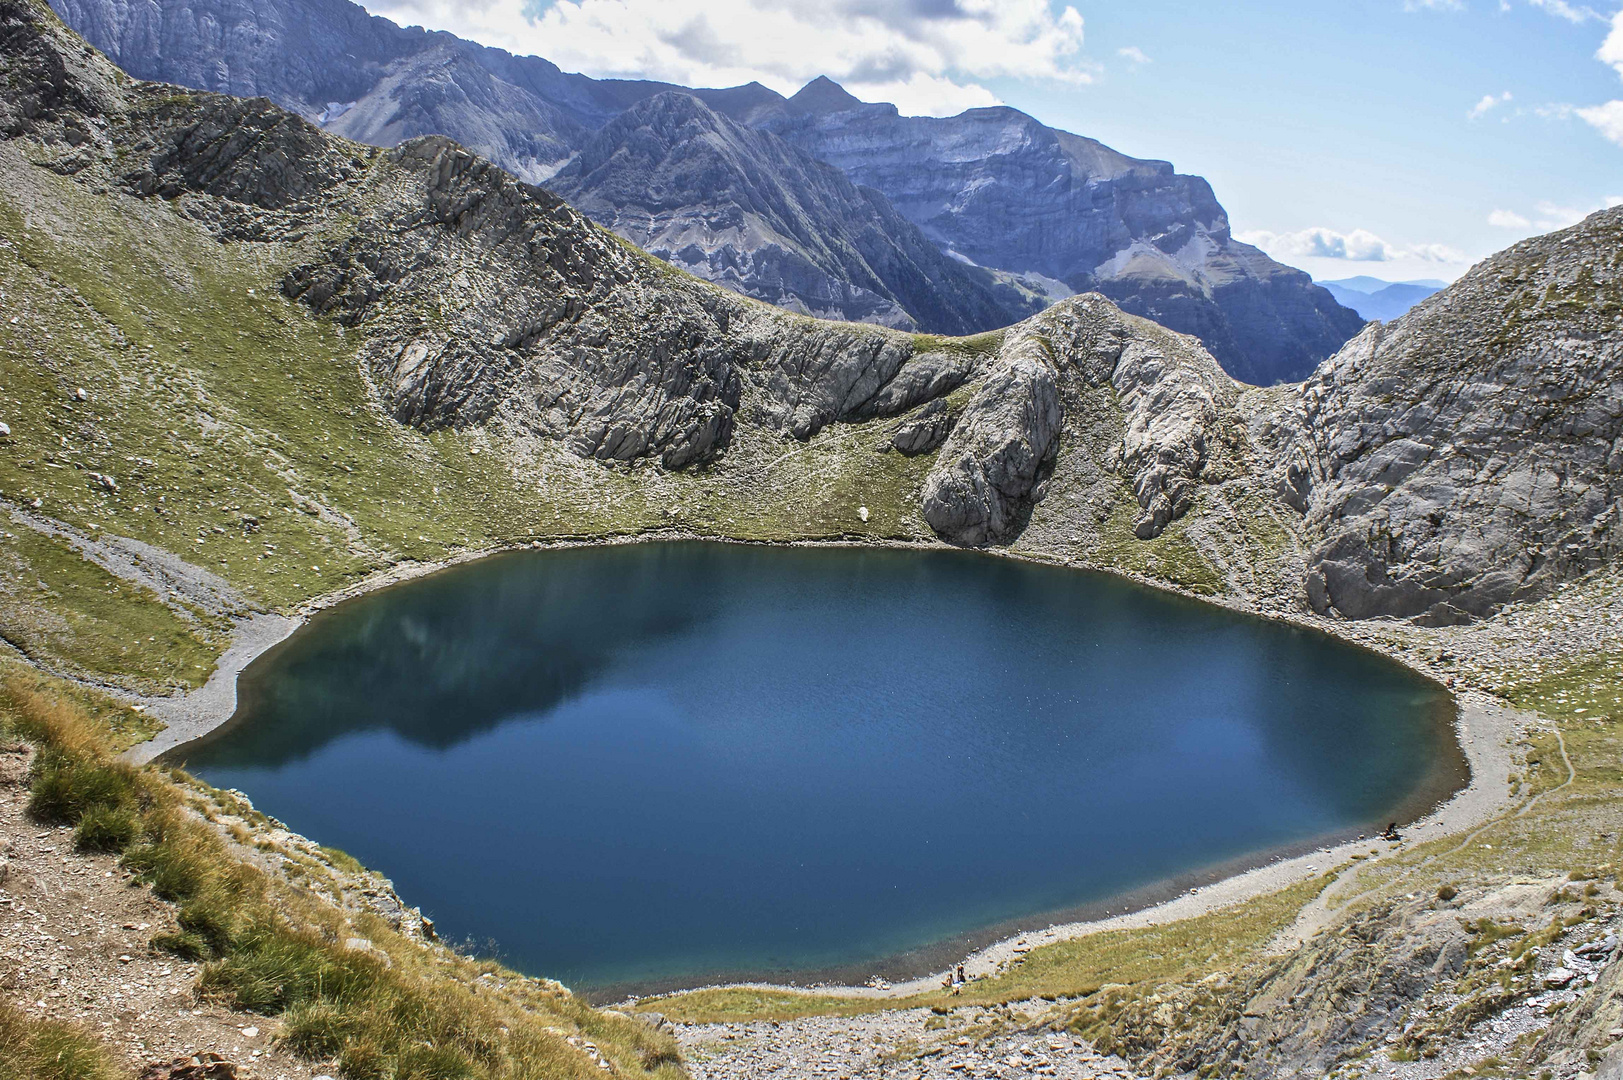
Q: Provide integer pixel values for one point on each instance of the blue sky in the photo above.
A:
(1396, 138)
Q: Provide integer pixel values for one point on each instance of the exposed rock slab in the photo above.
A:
(1471, 454)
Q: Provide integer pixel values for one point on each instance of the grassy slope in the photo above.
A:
(277, 948)
(241, 436)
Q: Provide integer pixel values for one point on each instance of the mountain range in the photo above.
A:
(946, 225)
(1381, 301)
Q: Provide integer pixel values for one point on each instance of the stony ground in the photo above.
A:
(1021, 1040)
(917, 1044)
(74, 933)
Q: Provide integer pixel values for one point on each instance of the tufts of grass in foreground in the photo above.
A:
(49, 1050)
(397, 1009)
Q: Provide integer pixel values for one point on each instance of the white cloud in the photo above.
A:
(1563, 10)
(1606, 119)
(1433, 5)
(1611, 50)
(1549, 216)
(1133, 53)
(1433, 253)
(1487, 105)
(1359, 245)
(927, 56)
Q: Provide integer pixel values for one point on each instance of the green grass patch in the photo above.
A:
(63, 611)
(1170, 557)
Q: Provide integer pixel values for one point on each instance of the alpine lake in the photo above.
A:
(646, 766)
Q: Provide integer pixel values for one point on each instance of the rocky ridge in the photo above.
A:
(1003, 190)
(484, 301)
(745, 209)
(1470, 454)
(1049, 212)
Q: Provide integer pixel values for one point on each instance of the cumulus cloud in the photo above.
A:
(1360, 245)
(1611, 50)
(1606, 119)
(1133, 53)
(928, 56)
(1487, 105)
(1555, 216)
(1507, 219)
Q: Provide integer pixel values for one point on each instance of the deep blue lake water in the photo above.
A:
(669, 762)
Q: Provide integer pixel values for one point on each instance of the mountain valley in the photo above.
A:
(253, 363)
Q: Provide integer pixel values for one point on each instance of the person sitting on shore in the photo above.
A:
(1392, 833)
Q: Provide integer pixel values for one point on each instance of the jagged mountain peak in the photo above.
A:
(824, 95)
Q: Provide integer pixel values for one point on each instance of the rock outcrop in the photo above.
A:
(1049, 212)
(1470, 454)
(1170, 392)
(987, 475)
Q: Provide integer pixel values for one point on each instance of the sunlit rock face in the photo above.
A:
(1470, 454)
(1040, 213)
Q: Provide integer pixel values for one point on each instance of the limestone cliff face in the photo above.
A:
(1170, 392)
(1470, 454)
(992, 186)
(1005, 191)
(746, 210)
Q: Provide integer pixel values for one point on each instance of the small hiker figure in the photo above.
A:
(1392, 833)
(960, 975)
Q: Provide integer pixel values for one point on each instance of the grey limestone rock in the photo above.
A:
(747, 210)
(989, 473)
(1002, 190)
(985, 479)
(1468, 455)
(924, 432)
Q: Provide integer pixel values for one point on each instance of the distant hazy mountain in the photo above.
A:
(1047, 212)
(998, 188)
(1381, 301)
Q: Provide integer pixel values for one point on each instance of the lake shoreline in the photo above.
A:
(1482, 730)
